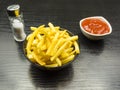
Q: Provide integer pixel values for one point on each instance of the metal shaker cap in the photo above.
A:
(13, 10)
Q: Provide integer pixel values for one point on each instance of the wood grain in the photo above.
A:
(96, 68)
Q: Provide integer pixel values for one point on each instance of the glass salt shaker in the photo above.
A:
(16, 22)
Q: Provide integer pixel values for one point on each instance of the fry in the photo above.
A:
(52, 27)
(33, 28)
(29, 36)
(73, 38)
(58, 61)
(51, 65)
(30, 56)
(76, 47)
(68, 59)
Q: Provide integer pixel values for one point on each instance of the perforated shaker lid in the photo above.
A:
(13, 10)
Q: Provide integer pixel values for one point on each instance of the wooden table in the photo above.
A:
(96, 68)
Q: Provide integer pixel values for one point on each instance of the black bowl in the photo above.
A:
(46, 68)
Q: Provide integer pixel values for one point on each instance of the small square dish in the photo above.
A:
(95, 28)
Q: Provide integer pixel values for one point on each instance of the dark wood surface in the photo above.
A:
(96, 68)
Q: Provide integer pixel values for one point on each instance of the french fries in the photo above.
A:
(51, 47)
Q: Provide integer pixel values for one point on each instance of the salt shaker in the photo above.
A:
(16, 22)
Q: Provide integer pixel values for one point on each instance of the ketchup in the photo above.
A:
(95, 26)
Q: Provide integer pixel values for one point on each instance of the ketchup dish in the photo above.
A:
(95, 28)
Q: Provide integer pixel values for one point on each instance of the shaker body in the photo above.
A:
(17, 26)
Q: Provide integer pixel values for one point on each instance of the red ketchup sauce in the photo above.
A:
(95, 26)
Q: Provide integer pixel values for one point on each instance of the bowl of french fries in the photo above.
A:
(51, 47)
